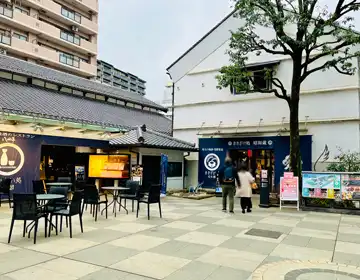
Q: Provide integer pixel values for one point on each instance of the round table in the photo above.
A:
(115, 193)
(48, 196)
(58, 184)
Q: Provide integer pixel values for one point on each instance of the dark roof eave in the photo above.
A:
(154, 147)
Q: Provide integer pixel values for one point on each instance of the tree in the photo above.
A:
(319, 40)
(347, 161)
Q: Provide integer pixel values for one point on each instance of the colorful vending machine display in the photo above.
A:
(321, 185)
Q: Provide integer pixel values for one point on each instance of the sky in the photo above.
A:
(144, 37)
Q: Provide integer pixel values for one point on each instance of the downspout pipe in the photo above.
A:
(184, 158)
(172, 103)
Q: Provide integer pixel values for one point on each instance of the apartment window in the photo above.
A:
(6, 12)
(70, 37)
(5, 39)
(20, 36)
(69, 59)
(71, 14)
(22, 10)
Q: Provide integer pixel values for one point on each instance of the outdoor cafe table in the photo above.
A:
(45, 197)
(116, 195)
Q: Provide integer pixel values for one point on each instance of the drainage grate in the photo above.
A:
(264, 233)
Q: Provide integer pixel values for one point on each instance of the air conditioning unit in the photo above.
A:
(74, 28)
(3, 51)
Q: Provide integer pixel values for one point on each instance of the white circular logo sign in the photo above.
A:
(12, 159)
(212, 162)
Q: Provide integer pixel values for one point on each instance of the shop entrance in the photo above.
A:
(256, 160)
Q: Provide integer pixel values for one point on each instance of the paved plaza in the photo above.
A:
(193, 241)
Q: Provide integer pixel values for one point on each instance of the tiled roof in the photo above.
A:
(24, 99)
(22, 67)
(149, 138)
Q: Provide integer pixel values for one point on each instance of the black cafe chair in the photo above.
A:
(26, 209)
(73, 209)
(130, 194)
(5, 189)
(150, 196)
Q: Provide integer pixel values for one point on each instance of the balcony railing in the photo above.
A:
(69, 60)
(6, 12)
(4, 39)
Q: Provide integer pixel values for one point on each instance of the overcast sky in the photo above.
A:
(144, 37)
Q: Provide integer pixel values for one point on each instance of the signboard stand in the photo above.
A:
(289, 190)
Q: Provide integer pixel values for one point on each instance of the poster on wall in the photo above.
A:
(20, 159)
(80, 173)
(163, 173)
(350, 186)
(321, 185)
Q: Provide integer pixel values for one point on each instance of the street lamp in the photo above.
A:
(172, 103)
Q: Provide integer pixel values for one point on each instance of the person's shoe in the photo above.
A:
(224, 210)
(231, 212)
(243, 211)
(249, 211)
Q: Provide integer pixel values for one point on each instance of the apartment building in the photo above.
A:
(61, 34)
(108, 74)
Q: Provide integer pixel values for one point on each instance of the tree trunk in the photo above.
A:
(295, 154)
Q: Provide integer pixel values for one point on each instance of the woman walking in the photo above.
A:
(246, 179)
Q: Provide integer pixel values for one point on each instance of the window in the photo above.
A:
(69, 59)
(4, 39)
(22, 10)
(6, 11)
(174, 169)
(20, 78)
(38, 82)
(20, 36)
(71, 14)
(51, 86)
(70, 37)
(256, 81)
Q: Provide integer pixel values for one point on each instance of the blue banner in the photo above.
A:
(20, 159)
(213, 151)
(163, 173)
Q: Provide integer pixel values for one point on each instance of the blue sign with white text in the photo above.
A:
(213, 151)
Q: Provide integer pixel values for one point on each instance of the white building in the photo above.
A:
(329, 108)
(166, 101)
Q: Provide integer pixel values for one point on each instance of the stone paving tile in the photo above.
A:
(163, 232)
(193, 271)
(104, 254)
(354, 238)
(312, 225)
(219, 229)
(180, 249)
(272, 259)
(314, 233)
(322, 244)
(296, 240)
(228, 273)
(203, 238)
(346, 258)
(184, 225)
(151, 265)
(240, 260)
(284, 221)
(300, 253)
(71, 268)
(347, 247)
(22, 258)
(106, 274)
(139, 242)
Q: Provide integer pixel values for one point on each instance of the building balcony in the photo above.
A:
(48, 56)
(85, 5)
(56, 11)
(49, 32)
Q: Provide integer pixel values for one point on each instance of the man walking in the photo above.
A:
(227, 177)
